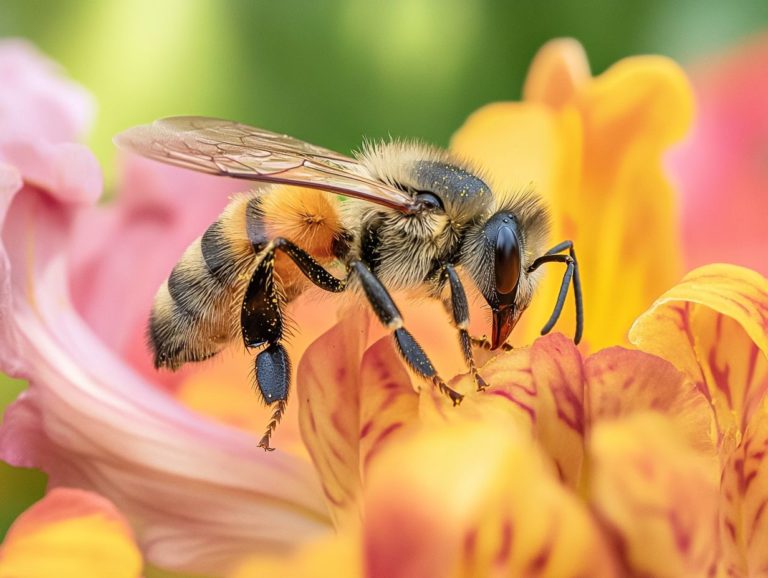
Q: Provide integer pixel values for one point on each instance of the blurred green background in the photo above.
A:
(334, 71)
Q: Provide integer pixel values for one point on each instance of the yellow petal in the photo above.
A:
(744, 515)
(626, 219)
(70, 533)
(657, 496)
(559, 69)
(596, 159)
(714, 327)
(475, 499)
(622, 382)
(333, 557)
(521, 146)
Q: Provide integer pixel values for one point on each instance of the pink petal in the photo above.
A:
(199, 494)
(68, 171)
(36, 100)
(721, 167)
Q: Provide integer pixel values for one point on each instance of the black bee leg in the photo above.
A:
(389, 315)
(484, 343)
(460, 314)
(261, 321)
(312, 270)
(571, 273)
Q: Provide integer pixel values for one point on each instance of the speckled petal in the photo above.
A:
(475, 499)
(656, 495)
(744, 502)
(714, 327)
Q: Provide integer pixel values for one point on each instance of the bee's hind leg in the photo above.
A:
(389, 315)
(460, 316)
(261, 321)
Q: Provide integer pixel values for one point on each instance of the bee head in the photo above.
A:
(496, 255)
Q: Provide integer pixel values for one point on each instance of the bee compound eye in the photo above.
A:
(429, 200)
(506, 260)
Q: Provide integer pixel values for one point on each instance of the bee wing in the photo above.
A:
(227, 148)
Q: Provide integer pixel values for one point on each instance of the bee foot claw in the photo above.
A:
(264, 444)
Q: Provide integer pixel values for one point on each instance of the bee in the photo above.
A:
(413, 218)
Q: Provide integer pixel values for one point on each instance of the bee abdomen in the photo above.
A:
(196, 311)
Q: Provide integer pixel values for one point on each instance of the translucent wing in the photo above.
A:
(227, 148)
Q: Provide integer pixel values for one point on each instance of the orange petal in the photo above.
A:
(475, 499)
(623, 382)
(744, 519)
(540, 389)
(70, 533)
(559, 69)
(388, 401)
(559, 376)
(656, 495)
(714, 327)
(329, 412)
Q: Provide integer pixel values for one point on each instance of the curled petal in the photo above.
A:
(558, 71)
(199, 494)
(475, 499)
(623, 382)
(329, 412)
(68, 170)
(713, 326)
(658, 497)
(388, 402)
(70, 533)
(744, 502)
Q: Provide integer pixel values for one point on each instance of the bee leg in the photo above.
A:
(389, 315)
(460, 314)
(261, 321)
(571, 273)
(312, 270)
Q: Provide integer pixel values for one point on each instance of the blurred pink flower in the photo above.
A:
(722, 169)
(198, 493)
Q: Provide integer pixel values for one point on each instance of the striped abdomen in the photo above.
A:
(196, 312)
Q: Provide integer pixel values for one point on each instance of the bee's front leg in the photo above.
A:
(460, 316)
(389, 315)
